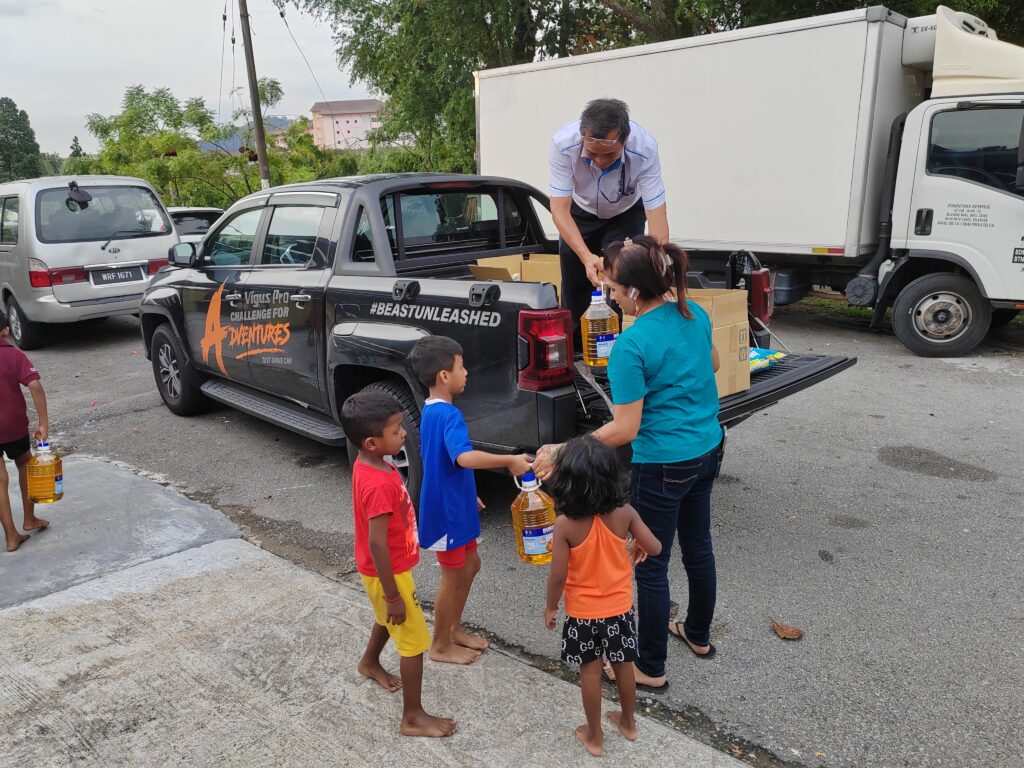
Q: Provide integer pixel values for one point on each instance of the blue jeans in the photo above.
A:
(675, 500)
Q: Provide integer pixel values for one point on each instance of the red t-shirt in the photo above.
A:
(381, 492)
(15, 371)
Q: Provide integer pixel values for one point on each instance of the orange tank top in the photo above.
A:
(599, 583)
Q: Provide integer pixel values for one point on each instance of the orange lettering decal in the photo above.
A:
(267, 338)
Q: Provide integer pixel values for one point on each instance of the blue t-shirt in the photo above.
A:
(665, 359)
(448, 513)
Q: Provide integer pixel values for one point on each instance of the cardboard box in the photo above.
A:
(733, 345)
(724, 307)
(535, 268)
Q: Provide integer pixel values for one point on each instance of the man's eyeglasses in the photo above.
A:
(603, 143)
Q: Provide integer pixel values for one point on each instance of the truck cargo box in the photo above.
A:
(772, 138)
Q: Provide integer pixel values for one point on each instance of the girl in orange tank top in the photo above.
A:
(592, 565)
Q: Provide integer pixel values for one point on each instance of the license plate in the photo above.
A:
(112, 276)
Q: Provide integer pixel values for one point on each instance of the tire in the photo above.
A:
(1002, 318)
(176, 379)
(409, 462)
(25, 333)
(941, 315)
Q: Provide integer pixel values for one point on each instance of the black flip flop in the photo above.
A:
(680, 632)
(639, 686)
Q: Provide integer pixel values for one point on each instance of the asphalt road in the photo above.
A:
(880, 512)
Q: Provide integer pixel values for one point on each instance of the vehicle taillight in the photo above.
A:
(156, 264)
(38, 275)
(546, 353)
(762, 295)
(67, 275)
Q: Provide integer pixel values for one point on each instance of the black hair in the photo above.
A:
(650, 267)
(588, 479)
(365, 414)
(431, 355)
(4, 324)
(602, 116)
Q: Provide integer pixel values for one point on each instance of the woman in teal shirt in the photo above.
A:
(662, 376)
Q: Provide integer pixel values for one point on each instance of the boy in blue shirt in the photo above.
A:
(449, 509)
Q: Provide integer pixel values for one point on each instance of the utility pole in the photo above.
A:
(254, 95)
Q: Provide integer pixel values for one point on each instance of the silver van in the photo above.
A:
(77, 248)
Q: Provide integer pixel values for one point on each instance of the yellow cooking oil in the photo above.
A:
(599, 328)
(45, 476)
(533, 518)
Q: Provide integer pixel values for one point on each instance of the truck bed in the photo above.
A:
(793, 374)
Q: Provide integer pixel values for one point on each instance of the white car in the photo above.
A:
(191, 224)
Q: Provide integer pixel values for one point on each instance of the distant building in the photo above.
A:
(344, 124)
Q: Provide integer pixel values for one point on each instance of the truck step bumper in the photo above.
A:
(276, 411)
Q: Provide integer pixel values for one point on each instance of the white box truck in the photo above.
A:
(862, 150)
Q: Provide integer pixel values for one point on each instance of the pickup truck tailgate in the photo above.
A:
(792, 374)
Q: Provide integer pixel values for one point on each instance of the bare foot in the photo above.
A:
(455, 654)
(468, 640)
(593, 744)
(385, 679)
(18, 541)
(628, 729)
(35, 524)
(422, 724)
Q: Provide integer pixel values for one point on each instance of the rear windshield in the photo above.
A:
(194, 223)
(127, 211)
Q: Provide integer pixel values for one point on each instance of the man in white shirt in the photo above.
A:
(605, 184)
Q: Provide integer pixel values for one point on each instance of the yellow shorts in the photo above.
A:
(411, 637)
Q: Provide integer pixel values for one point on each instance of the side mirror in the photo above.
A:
(182, 254)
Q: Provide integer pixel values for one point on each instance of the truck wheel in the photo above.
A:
(941, 315)
(1002, 318)
(25, 333)
(409, 462)
(175, 378)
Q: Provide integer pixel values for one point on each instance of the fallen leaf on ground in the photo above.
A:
(93, 403)
(736, 751)
(786, 632)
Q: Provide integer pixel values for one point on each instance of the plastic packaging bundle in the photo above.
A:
(763, 359)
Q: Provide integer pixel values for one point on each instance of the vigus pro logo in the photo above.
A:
(255, 334)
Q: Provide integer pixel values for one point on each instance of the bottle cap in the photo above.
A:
(529, 482)
(43, 445)
(597, 292)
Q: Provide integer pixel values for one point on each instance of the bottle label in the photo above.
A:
(605, 342)
(538, 541)
(58, 484)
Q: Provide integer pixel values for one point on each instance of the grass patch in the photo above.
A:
(835, 307)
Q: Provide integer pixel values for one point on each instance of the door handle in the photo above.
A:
(923, 222)
(301, 298)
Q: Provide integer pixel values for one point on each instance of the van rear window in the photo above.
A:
(127, 211)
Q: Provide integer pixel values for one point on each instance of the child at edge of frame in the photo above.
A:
(449, 522)
(592, 566)
(15, 441)
(386, 550)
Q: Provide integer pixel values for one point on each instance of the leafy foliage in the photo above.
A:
(19, 151)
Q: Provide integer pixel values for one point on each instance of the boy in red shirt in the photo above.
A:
(16, 371)
(386, 552)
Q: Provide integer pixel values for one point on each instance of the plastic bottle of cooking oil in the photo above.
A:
(45, 475)
(533, 518)
(599, 328)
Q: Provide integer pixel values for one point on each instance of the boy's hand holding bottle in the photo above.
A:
(519, 465)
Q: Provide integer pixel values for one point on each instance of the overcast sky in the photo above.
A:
(62, 59)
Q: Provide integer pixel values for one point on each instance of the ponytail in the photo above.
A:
(652, 268)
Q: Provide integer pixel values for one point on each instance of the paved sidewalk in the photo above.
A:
(222, 654)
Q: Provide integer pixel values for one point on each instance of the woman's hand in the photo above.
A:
(544, 464)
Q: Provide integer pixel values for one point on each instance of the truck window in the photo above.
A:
(978, 145)
(9, 221)
(233, 242)
(291, 237)
(454, 222)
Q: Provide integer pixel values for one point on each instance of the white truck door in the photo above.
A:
(965, 199)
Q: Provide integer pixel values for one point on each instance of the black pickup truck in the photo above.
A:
(303, 294)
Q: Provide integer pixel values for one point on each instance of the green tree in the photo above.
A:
(76, 148)
(19, 151)
(51, 164)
